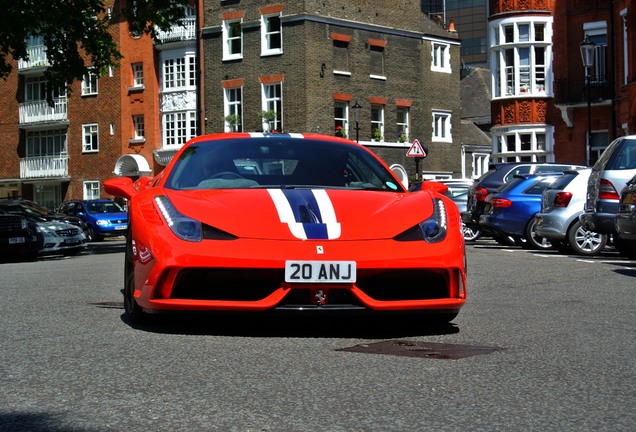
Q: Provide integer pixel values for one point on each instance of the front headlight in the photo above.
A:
(102, 222)
(432, 230)
(182, 226)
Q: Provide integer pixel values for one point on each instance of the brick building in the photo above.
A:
(546, 106)
(310, 62)
(123, 123)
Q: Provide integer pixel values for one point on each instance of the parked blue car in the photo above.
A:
(510, 210)
(103, 217)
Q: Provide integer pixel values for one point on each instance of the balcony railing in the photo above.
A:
(44, 166)
(41, 111)
(571, 91)
(179, 32)
(37, 57)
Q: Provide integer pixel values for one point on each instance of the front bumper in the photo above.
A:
(248, 275)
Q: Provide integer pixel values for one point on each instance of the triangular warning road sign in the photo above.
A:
(416, 150)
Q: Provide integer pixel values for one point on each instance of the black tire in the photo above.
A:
(92, 235)
(585, 242)
(134, 313)
(533, 240)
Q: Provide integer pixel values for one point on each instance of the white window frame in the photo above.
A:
(179, 72)
(138, 75)
(178, 127)
(273, 102)
(343, 120)
(442, 130)
(440, 53)
(521, 55)
(89, 84)
(507, 144)
(267, 35)
(91, 189)
(90, 138)
(405, 125)
(480, 164)
(139, 127)
(228, 40)
(377, 120)
(233, 105)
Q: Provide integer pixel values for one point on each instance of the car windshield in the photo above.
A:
(278, 162)
(103, 207)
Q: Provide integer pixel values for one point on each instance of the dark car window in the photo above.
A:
(248, 163)
(624, 156)
(103, 207)
(538, 187)
(521, 169)
(563, 181)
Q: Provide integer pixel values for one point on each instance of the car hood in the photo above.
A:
(109, 216)
(305, 213)
(54, 225)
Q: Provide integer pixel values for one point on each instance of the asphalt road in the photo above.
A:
(545, 343)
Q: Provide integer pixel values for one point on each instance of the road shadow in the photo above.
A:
(36, 422)
(294, 326)
(105, 247)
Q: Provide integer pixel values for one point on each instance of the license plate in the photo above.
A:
(121, 227)
(320, 271)
(16, 240)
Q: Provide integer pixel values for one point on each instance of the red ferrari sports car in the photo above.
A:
(288, 222)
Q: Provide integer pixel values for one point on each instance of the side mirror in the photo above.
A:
(120, 187)
(434, 186)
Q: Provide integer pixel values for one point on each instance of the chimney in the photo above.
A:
(451, 26)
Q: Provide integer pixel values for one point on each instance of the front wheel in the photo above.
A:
(585, 242)
(134, 312)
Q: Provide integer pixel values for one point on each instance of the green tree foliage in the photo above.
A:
(75, 32)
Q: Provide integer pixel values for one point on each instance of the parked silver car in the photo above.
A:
(60, 238)
(609, 176)
(562, 204)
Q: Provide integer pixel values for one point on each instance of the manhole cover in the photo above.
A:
(422, 349)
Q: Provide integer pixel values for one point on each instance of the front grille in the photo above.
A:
(67, 232)
(231, 284)
(391, 285)
(246, 284)
(10, 223)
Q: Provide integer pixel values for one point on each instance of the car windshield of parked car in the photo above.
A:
(623, 158)
(103, 207)
(282, 162)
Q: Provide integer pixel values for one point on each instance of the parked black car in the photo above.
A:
(30, 208)
(496, 176)
(18, 240)
(626, 220)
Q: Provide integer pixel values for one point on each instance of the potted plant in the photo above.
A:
(233, 120)
(269, 118)
(376, 135)
(401, 137)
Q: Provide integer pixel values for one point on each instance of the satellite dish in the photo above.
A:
(401, 174)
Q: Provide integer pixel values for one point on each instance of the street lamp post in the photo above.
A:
(356, 117)
(587, 56)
